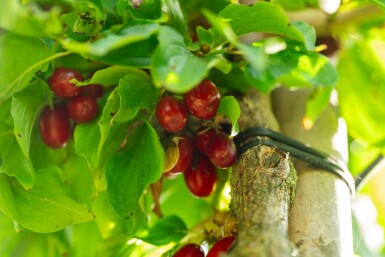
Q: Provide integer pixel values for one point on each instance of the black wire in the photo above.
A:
(366, 173)
(252, 137)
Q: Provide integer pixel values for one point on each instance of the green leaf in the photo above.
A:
(137, 54)
(106, 121)
(86, 139)
(254, 55)
(85, 234)
(136, 93)
(233, 81)
(174, 66)
(308, 32)
(91, 16)
(315, 104)
(229, 108)
(6, 124)
(96, 148)
(175, 15)
(131, 171)
(131, 33)
(166, 230)
(29, 19)
(293, 67)
(261, 17)
(194, 209)
(8, 236)
(361, 90)
(21, 57)
(145, 9)
(115, 246)
(379, 3)
(25, 109)
(17, 165)
(110, 76)
(48, 207)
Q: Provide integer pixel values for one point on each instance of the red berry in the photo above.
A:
(93, 90)
(60, 82)
(186, 150)
(221, 246)
(203, 137)
(201, 181)
(55, 127)
(203, 100)
(82, 108)
(222, 151)
(171, 114)
(190, 250)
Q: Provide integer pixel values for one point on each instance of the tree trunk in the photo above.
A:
(320, 222)
(261, 182)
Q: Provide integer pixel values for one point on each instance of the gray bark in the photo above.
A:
(261, 182)
(320, 222)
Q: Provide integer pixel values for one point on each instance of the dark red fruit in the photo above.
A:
(186, 151)
(93, 90)
(332, 45)
(201, 180)
(60, 82)
(203, 100)
(55, 127)
(82, 108)
(190, 250)
(171, 114)
(221, 151)
(221, 246)
(203, 137)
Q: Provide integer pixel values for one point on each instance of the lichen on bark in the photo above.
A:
(262, 186)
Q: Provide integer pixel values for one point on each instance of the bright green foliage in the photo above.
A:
(379, 3)
(165, 230)
(132, 170)
(95, 196)
(29, 19)
(229, 108)
(293, 66)
(49, 200)
(174, 66)
(136, 93)
(129, 34)
(261, 17)
(24, 110)
(15, 164)
(15, 69)
(363, 105)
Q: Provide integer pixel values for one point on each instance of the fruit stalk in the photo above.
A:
(262, 184)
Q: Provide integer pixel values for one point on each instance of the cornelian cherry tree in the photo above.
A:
(186, 128)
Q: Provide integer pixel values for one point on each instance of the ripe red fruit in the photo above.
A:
(190, 250)
(186, 151)
(93, 90)
(82, 108)
(171, 114)
(55, 127)
(221, 246)
(221, 151)
(203, 100)
(201, 180)
(60, 82)
(203, 137)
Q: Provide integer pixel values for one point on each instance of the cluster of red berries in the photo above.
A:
(194, 250)
(215, 147)
(80, 106)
